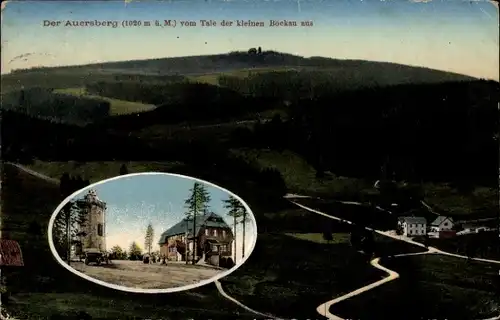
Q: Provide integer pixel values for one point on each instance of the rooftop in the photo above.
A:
(440, 220)
(91, 197)
(413, 220)
(207, 220)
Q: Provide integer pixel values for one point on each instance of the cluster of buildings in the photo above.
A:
(441, 227)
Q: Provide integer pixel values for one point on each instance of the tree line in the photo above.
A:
(287, 85)
(61, 141)
(439, 132)
(176, 102)
(134, 253)
(44, 103)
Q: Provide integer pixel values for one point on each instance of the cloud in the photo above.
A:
(420, 1)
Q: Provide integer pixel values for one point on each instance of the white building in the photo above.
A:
(442, 223)
(413, 226)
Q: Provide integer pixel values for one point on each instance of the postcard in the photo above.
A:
(286, 159)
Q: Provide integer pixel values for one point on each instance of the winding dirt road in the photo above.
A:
(324, 308)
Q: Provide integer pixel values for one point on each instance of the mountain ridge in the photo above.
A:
(237, 60)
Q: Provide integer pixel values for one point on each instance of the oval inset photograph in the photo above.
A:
(152, 232)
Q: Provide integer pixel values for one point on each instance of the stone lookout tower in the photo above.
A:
(94, 237)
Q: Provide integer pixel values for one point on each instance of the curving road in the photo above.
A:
(225, 295)
(33, 173)
(324, 308)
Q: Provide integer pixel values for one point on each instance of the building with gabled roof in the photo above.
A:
(413, 226)
(212, 234)
(442, 223)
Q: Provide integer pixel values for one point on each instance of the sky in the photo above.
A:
(452, 35)
(134, 202)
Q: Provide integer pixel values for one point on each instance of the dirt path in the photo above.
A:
(225, 295)
(136, 274)
(33, 173)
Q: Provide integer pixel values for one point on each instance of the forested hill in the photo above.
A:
(366, 71)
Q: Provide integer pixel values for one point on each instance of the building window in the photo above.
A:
(206, 232)
(100, 230)
(223, 233)
(215, 232)
(215, 248)
(223, 248)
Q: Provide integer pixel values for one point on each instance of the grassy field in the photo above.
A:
(482, 202)
(430, 287)
(318, 237)
(117, 107)
(96, 171)
(53, 79)
(43, 289)
(300, 176)
(361, 215)
(70, 306)
(486, 245)
(203, 132)
(136, 274)
(213, 78)
(213, 130)
(290, 275)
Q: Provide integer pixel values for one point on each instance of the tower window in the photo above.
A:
(100, 230)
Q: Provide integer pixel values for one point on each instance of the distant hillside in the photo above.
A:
(382, 73)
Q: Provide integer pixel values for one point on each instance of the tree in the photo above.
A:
(234, 210)
(252, 51)
(355, 239)
(259, 50)
(118, 253)
(123, 169)
(244, 220)
(399, 229)
(135, 252)
(148, 239)
(368, 243)
(67, 228)
(64, 185)
(197, 202)
(327, 236)
(71, 217)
